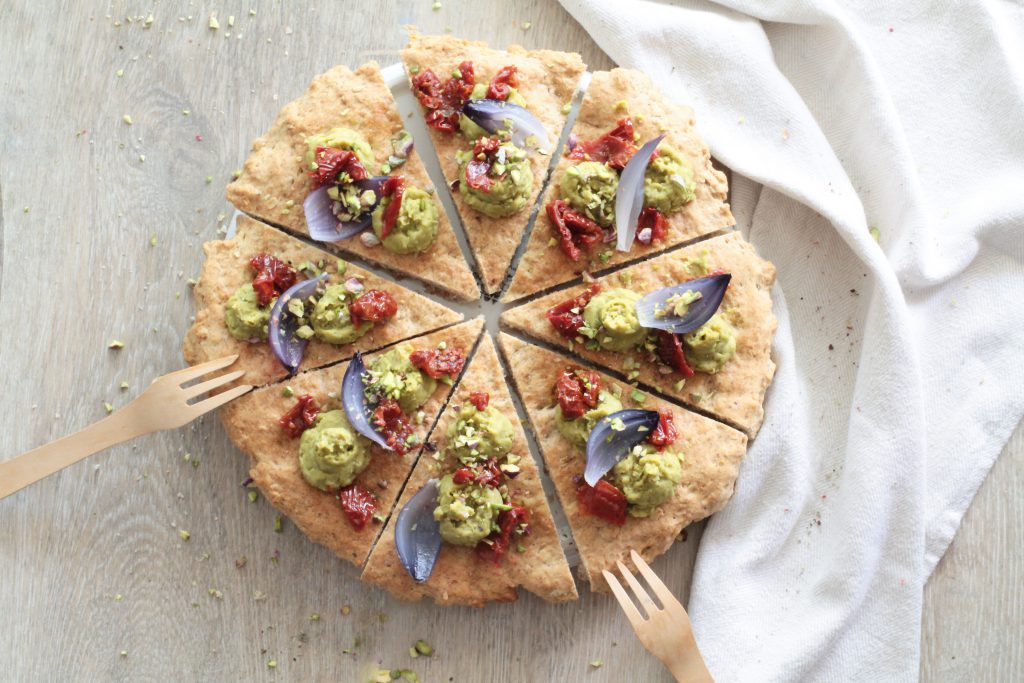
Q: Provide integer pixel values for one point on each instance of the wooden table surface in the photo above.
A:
(102, 225)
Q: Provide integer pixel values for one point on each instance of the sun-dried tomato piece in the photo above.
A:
(392, 424)
(330, 161)
(572, 228)
(604, 501)
(358, 503)
(373, 305)
(393, 187)
(494, 547)
(502, 84)
(300, 417)
(655, 220)
(577, 390)
(437, 363)
(665, 433)
(614, 148)
(480, 165)
(443, 101)
(273, 276)
(480, 399)
(670, 351)
(463, 476)
(567, 317)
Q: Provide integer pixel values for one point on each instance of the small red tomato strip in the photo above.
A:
(331, 161)
(604, 501)
(670, 351)
(301, 416)
(463, 476)
(393, 425)
(273, 276)
(665, 433)
(614, 148)
(358, 503)
(480, 165)
(567, 317)
(438, 363)
(373, 305)
(393, 187)
(655, 220)
(577, 391)
(494, 547)
(480, 399)
(502, 83)
(572, 228)
(443, 101)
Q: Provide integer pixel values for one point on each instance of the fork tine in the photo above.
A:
(210, 384)
(627, 605)
(187, 374)
(214, 402)
(660, 589)
(638, 590)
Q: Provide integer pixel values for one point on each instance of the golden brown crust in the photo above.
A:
(543, 265)
(275, 172)
(459, 578)
(736, 393)
(252, 424)
(712, 452)
(548, 81)
(226, 268)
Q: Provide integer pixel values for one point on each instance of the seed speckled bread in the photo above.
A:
(459, 578)
(611, 96)
(736, 393)
(275, 172)
(252, 424)
(712, 452)
(547, 81)
(226, 268)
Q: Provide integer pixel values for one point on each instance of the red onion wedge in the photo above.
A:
(289, 348)
(417, 533)
(353, 400)
(496, 115)
(629, 196)
(613, 437)
(654, 309)
(324, 226)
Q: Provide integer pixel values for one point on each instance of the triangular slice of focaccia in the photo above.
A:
(547, 82)
(275, 178)
(709, 453)
(612, 98)
(252, 424)
(227, 268)
(735, 393)
(535, 561)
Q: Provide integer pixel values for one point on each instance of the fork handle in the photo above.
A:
(30, 467)
(687, 666)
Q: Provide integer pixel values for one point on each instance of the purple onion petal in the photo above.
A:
(644, 236)
(417, 533)
(288, 348)
(353, 400)
(403, 146)
(607, 446)
(492, 115)
(571, 142)
(712, 291)
(629, 196)
(321, 222)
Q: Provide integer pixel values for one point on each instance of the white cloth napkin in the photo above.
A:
(900, 360)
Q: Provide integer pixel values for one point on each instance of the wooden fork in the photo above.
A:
(163, 405)
(666, 631)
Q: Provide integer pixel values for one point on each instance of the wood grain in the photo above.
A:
(93, 561)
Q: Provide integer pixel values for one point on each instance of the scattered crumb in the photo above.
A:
(107, 407)
(115, 344)
(213, 23)
(597, 663)
(127, 119)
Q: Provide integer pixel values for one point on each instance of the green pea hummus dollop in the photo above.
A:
(480, 434)
(392, 375)
(245, 318)
(647, 477)
(577, 431)
(668, 182)
(612, 319)
(513, 182)
(474, 132)
(330, 319)
(332, 453)
(416, 227)
(711, 345)
(466, 513)
(589, 187)
(339, 138)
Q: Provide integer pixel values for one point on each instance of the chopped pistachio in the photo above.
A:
(184, 534)
(26, 209)
(118, 597)
(236, 174)
(346, 610)
(142, 157)
(152, 240)
(597, 663)
(124, 653)
(195, 463)
(186, 112)
(120, 73)
(436, 6)
(231, 20)
(253, 496)
(638, 396)
(127, 119)
(209, 179)
(215, 593)
(148, 22)
(314, 617)
(271, 663)
(567, 107)
(526, 25)
(213, 23)
(278, 524)
(288, 392)
(115, 344)
(876, 234)
(107, 407)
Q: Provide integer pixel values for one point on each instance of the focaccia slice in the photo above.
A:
(275, 179)
(611, 97)
(459, 577)
(252, 424)
(711, 454)
(736, 392)
(547, 82)
(226, 268)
